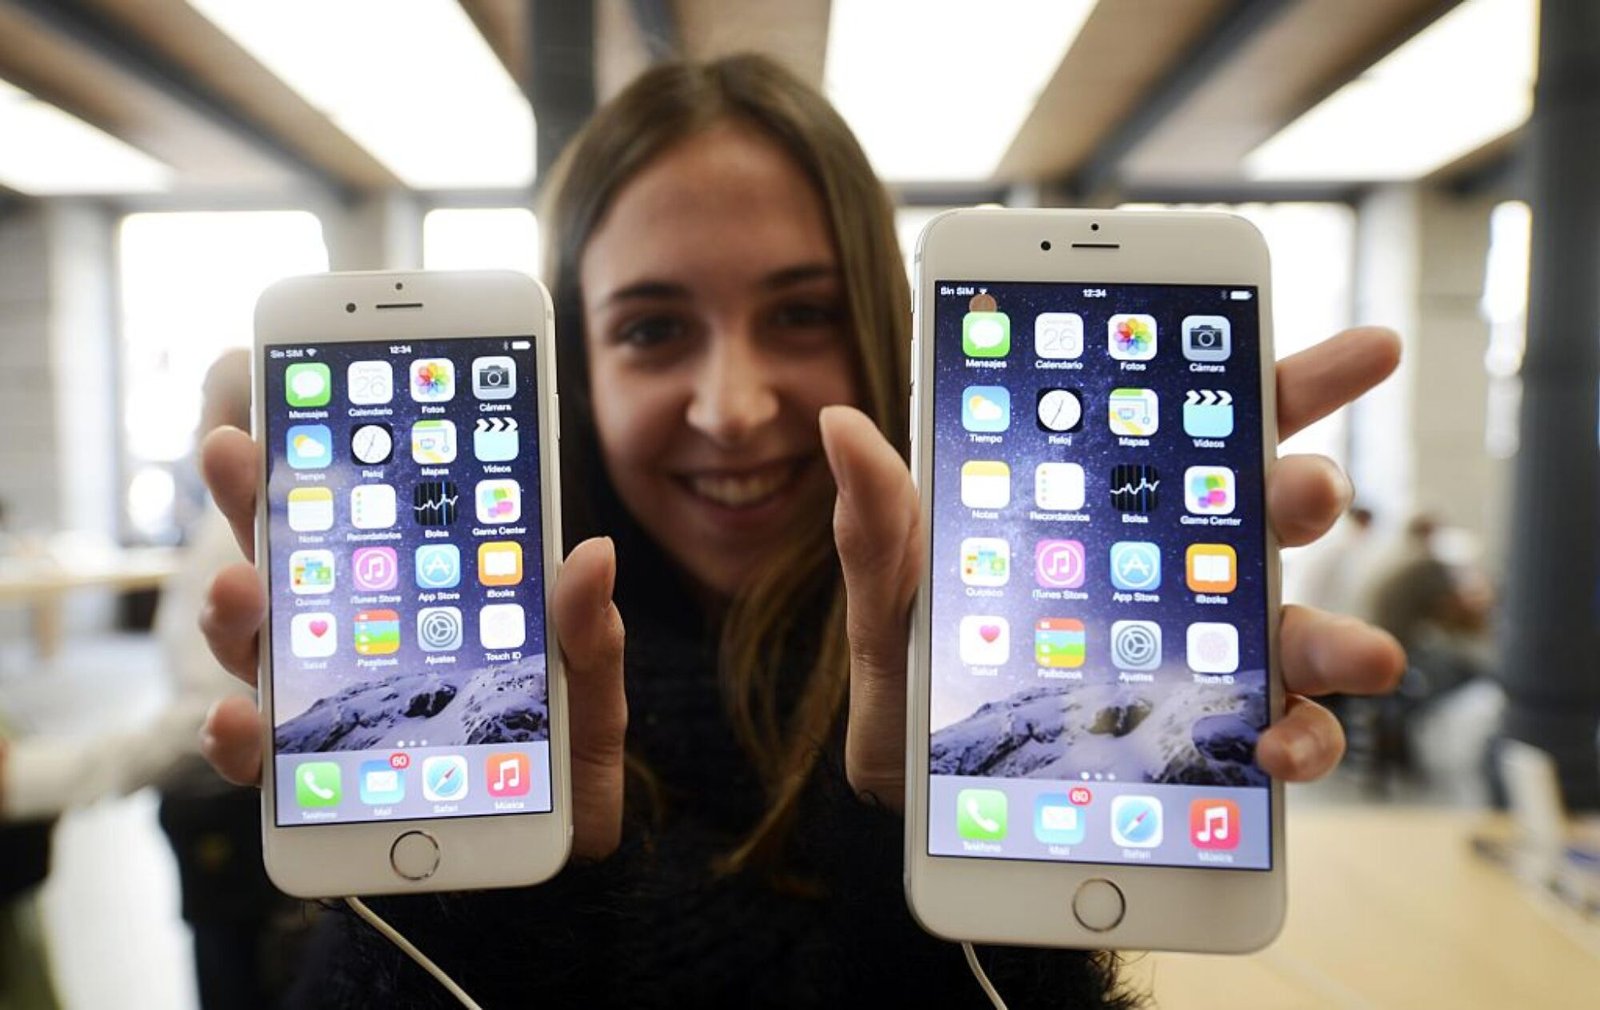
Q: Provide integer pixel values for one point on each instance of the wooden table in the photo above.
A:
(1389, 907)
(41, 581)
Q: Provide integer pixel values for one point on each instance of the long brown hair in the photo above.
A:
(664, 107)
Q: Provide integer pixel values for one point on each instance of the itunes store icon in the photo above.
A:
(1058, 564)
(375, 569)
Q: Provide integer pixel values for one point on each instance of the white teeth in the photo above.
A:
(738, 492)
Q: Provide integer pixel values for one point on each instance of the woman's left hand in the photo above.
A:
(878, 528)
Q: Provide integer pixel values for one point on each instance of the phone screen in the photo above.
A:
(405, 577)
(1099, 596)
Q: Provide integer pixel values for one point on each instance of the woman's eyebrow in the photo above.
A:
(789, 276)
(668, 290)
(646, 291)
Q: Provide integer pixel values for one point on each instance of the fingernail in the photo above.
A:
(840, 475)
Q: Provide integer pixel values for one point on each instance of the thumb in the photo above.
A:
(589, 630)
(877, 527)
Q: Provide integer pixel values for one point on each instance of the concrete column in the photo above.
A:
(381, 232)
(1552, 621)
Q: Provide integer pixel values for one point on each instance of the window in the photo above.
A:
(189, 283)
(494, 238)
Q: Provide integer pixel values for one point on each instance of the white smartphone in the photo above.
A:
(1093, 648)
(408, 529)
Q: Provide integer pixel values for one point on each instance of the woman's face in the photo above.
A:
(717, 329)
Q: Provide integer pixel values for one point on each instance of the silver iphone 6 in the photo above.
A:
(1093, 651)
(408, 530)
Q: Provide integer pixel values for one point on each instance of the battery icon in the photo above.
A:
(521, 345)
(1239, 296)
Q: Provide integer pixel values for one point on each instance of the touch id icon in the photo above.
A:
(502, 626)
(1136, 821)
(1213, 647)
(981, 814)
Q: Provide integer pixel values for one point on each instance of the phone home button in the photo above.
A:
(414, 855)
(1099, 905)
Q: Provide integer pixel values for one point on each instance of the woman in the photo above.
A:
(734, 352)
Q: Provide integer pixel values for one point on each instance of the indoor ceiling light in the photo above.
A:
(50, 153)
(1462, 82)
(412, 82)
(937, 90)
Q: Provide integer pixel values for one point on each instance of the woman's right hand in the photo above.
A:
(588, 628)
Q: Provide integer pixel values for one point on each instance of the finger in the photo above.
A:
(231, 467)
(1304, 745)
(1321, 379)
(590, 631)
(876, 522)
(231, 741)
(231, 619)
(1305, 497)
(1327, 653)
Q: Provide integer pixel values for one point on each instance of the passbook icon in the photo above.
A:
(985, 484)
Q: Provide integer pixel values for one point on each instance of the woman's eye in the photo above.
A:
(650, 332)
(805, 315)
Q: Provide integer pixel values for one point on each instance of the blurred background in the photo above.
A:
(161, 161)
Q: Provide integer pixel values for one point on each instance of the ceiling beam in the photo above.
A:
(560, 81)
(658, 26)
(1232, 32)
(87, 28)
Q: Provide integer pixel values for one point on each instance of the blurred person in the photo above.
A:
(734, 361)
(214, 827)
(1330, 573)
(1440, 612)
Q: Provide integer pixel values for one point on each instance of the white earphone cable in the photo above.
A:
(983, 979)
(411, 951)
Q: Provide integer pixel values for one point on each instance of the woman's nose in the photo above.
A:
(733, 393)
